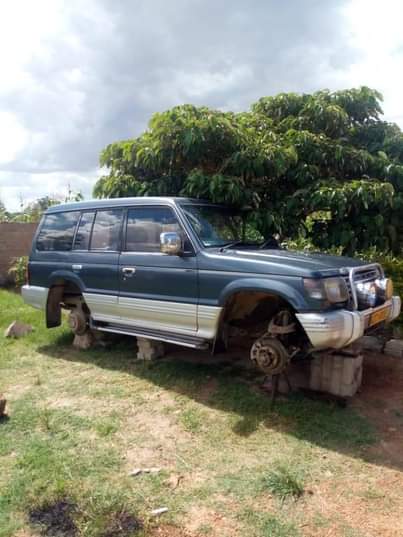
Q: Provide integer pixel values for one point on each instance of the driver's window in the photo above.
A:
(145, 225)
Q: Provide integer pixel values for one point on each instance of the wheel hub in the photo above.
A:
(77, 322)
(270, 355)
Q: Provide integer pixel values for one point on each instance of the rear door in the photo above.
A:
(94, 259)
(157, 291)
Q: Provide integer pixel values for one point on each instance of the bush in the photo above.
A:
(18, 270)
(393, 266)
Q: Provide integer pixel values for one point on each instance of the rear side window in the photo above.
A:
(57, 232)
(106, 230)
(82, 240)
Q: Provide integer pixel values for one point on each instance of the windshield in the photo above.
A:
(215, 226)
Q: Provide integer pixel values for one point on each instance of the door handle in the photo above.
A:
(76, 267)
(128, 271)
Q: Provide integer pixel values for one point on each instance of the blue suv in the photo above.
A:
(187, 272)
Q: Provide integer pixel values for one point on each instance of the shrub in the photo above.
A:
(18, 270)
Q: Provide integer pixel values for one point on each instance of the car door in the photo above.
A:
(157, 290)
(95, 260)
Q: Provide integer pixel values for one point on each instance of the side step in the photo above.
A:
(160, 335)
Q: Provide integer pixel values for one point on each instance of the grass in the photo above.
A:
(284, 482)
(81, 421)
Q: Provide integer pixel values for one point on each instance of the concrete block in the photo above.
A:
(84, 341)
(149, 349)
(338, 374)
(394, 347)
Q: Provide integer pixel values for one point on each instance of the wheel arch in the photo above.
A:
(60, 282)
(277, 288)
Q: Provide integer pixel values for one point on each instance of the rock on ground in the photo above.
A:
(3, 403)
(18, 329)
(371, 343)
(394, 347)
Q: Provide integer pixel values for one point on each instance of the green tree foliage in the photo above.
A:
(323, 166)
(3, 212)
(32, 212)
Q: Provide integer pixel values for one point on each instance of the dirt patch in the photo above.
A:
(208, 389)
(381, 400)
(55, 519)
(122, 524)
(170, 531)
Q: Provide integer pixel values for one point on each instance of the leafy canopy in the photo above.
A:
(324, 166)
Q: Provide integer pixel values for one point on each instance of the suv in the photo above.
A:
(180, 270)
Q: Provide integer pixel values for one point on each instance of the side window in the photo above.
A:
(106, 230)
(145, 225)
(57, 232)
(82, 240)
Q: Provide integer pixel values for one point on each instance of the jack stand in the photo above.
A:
(275, 380)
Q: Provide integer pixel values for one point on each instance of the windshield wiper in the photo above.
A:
(230, 245)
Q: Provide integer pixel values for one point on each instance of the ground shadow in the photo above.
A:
(372, 423)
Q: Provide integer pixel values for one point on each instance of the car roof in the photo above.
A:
(123, 202)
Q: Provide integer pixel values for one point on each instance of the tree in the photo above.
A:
(32, 212)
(3, 213)
(324, 166)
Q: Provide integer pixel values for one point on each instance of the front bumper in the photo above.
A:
(337, 329)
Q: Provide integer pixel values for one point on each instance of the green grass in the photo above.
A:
(284, 482)
(80, 421)
(267, 524)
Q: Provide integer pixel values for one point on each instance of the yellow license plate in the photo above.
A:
(379, 316)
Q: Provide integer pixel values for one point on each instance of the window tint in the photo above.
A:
(145, 225)
(106, 230)
(57, 231)
(82, 240)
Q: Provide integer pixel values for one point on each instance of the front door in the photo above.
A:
(157, 291)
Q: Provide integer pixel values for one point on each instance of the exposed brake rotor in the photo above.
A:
(270, 355)
(77, 322)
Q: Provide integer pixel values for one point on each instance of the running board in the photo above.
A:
(177, 339)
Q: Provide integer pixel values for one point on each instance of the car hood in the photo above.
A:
(281, 262)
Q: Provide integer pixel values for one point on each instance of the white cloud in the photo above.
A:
(376, 32)
(75, 76)
(17, 188)
(13, 137)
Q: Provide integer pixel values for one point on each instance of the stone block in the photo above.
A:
(149, 349)
(84, 341)
(394, 347)
(338, 374)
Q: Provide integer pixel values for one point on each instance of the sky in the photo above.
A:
(76, 75)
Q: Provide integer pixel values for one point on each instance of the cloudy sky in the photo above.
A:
(77, 75)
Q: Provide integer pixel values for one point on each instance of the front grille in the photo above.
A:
(350, 292)
(366, 275)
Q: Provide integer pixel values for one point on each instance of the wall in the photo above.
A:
(15, 241)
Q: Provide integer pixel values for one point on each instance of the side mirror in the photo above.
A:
(171, 243)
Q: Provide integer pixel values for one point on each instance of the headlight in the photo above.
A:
(371, 294)
(332, 289)
(367, 293)
(385, 288)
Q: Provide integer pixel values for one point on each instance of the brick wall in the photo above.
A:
(15, 241)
